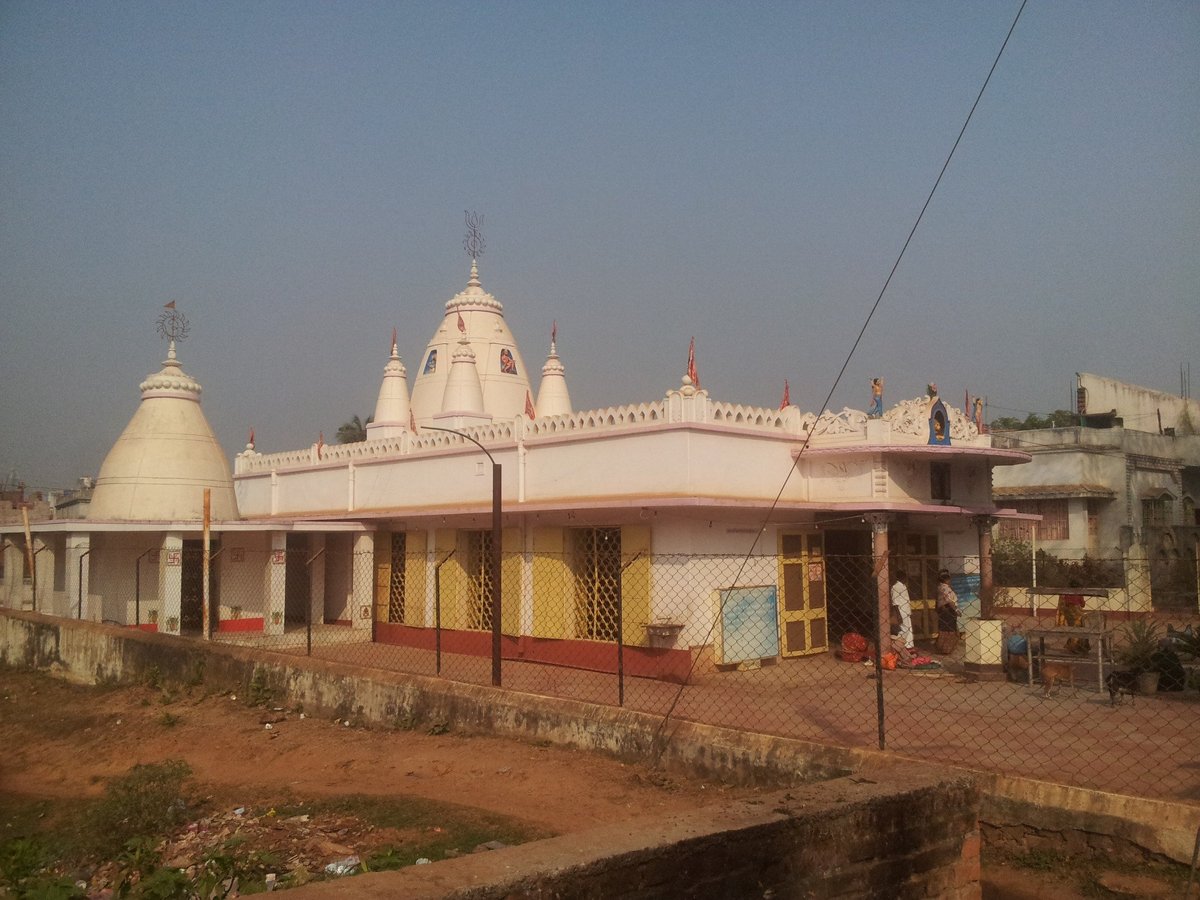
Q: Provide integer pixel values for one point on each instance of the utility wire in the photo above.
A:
(658, 743)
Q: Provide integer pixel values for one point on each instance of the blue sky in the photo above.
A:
(294, 175)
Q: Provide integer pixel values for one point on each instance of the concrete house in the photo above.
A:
(1120, 485)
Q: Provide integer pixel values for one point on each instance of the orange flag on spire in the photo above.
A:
(393, 337)
(554, 331)
(529, 406)
(787, 395)
(251, 441)
(691, 369)
(170, 305)
(462, 326)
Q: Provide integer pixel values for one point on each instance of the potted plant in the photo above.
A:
(1136, 654)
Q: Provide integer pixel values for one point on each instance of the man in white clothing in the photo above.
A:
(903, 604)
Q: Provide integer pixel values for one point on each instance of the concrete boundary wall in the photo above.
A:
(91, 653)
(914, 836)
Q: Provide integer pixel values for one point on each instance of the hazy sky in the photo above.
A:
(294, 175)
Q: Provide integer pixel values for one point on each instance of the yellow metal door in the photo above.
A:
(803, 621)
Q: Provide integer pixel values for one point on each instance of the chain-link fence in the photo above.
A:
(800, 644)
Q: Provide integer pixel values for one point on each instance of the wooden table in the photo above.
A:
(1100, 650)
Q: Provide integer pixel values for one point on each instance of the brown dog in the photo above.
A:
(1059, 672)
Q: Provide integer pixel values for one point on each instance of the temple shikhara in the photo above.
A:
(645, 524)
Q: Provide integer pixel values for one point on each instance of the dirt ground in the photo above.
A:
(64, 742)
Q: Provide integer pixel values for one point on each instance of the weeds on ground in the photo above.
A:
(260, 692)
(144, 802)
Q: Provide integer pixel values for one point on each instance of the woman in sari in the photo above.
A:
(947, 615)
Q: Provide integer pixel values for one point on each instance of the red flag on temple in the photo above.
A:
(251, 441)
(787, 396)
(393, 337)
(529, 406)
(691, 369)
(170, 305)
(554, 331)
(462, 326)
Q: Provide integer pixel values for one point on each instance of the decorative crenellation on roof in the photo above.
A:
(901, 424)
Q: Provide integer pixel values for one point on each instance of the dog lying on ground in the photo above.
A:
(1057, 672)
(1121, 683)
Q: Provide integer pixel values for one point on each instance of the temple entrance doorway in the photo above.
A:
(852, 600)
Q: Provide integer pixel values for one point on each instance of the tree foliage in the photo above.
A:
(1060, 418)
(353, 431)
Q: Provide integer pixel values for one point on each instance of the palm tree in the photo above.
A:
(353, 431)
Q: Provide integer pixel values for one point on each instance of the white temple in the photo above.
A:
(632, 505)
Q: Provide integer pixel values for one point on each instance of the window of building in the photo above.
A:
(1055, 524)
(1017, 529)
(395, 608)
(1156, 512)
(939, 481)
(595, 557)
(478, 565)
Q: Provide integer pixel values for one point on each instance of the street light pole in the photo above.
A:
(495, 560)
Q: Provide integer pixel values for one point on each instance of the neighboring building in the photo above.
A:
(647, 509)
(1122, 485)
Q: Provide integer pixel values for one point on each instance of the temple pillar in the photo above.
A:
(170, 583)
(362, 581)
(983, 651)
(276, 586)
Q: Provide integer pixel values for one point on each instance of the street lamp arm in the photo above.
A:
(463, 435)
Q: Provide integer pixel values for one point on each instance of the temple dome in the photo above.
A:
(164, 459)
(391, 409)
(503, 378)
(553, 398)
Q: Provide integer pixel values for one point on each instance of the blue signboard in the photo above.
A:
(749, 624)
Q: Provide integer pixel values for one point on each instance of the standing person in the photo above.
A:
(876, 409)
(947, 615)
(902, 603)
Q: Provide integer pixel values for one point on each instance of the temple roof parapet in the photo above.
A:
(906, 424)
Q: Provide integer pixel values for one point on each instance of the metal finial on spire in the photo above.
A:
(473, 243)
(172, 324)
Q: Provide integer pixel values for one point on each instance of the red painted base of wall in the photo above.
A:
(644, 662)
(146, 626)
(234, 625)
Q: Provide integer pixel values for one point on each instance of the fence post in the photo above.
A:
(437, 612)
(621, 629)
(308, 606)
